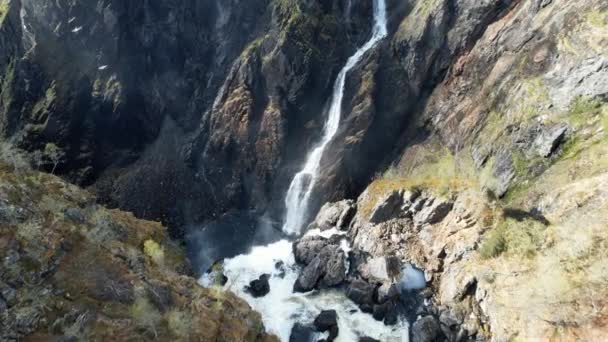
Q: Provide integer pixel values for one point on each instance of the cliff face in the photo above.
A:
(183, 110)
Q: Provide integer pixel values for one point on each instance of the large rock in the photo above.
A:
(387, 207)
(426, 329)
(327, 321)
(381, 270)
(432, 211)
(362, 293)
(259, 287)
(548, 141)
(334, 215)
(324, 262)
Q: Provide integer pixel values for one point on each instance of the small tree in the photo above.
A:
(53, 154)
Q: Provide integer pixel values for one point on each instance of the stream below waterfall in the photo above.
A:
(281, 308)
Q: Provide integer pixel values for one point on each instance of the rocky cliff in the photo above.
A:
(473, 138)
(74, 270)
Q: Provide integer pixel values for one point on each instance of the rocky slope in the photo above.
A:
(74, 270)
(502, 203)
(473, 140)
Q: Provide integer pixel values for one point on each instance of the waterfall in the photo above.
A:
(298, 195)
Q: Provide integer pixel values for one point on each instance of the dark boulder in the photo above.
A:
(362, 293)
(367, 339)
(327, 321)
(324, 262)
(302, 333)
(259, 287)
(426, 329)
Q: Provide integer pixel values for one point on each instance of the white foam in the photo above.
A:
(281, 308)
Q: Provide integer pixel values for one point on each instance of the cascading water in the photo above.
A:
(281, 308)
(298, 195)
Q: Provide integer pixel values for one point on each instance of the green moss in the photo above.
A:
(514, 237)
(3, 9)
(179, 323)
(598, 19)
(145, 315)
(45, 102)
(154, 251)
(583, 109)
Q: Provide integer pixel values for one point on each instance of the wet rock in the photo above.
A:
(426, 329)
(392, 315)
(302, 333)
(334, 215)
(327, 321)
(324, 262)
(259, 287)
(367, 339)
(548, 141)
(387, 292)
(379, 312)
(308, 247)
(362, 293)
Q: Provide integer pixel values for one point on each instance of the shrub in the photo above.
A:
(179, 323)
(154, 251)
(515, 237)
(145, 315)
(14, 157)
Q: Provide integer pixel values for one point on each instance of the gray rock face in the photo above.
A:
(549, 140)
(334, 215)
(324, 264)
(383, 270)
(387, 208)
(432, 211)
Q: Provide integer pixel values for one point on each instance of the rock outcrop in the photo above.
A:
(74, 270)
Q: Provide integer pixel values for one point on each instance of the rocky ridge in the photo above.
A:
(74, 270)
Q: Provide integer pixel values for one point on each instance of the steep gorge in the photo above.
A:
(199, 113)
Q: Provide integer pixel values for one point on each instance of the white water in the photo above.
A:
(298, 195)
(281, 308)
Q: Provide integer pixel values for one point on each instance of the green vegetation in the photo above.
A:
(145, 315)
(416, 20)
(45, 102)
(598, 19)
(154, 251)
(179, 323)
(515, 237)
(3, 10)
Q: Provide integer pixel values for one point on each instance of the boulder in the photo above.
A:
(334, 215)
(433, 211)
(387, 208)
(387, 292)
(426, 329)
(259, 287)
(324, 262)
(308, 247)
(327, 321)
(367, 339)
(362, 293)
(381, 269)
(302, 333)
(547, 142)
